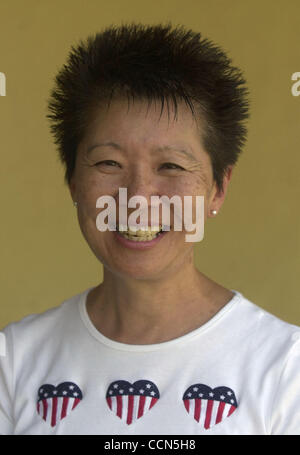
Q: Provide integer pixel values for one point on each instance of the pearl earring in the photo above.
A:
(75, 204)
(214, 212)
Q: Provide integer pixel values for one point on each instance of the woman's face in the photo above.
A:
(145, 170)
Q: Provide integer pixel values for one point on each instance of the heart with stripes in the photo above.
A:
(209, 406)
(55, 403)
(131, 401)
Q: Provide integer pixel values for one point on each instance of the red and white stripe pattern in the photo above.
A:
(131, 401)
(55, 403)
(209, 406)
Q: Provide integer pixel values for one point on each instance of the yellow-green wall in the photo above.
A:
(253, 243)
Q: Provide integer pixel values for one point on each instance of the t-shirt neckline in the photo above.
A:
(157, 346)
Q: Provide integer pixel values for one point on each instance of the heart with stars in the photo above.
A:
(131, 401)
(209, 406)
(55, 403)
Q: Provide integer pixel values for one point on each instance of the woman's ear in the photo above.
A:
(72, 188)
(229, 172)
(219, 196)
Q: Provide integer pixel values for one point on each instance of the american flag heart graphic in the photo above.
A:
(131, 401)
(209, 406)
(55, 403)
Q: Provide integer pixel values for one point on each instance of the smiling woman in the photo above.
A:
(157, 347)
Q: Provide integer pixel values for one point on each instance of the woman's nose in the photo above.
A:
(142, 182)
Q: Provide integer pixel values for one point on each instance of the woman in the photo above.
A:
(157, 347)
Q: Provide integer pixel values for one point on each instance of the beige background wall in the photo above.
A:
(251, 246)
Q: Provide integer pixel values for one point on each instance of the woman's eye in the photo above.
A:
(114, 164)
(108, 162)
(172, 166)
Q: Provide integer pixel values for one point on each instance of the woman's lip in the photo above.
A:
(131, 244)
(125, 228)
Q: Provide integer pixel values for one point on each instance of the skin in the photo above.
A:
(154, 295)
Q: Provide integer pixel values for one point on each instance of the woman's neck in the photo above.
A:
(153, 311)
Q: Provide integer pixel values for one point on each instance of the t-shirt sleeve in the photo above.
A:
(6, 382)
(285, 418)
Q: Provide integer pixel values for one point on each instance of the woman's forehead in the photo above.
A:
(146, 110)
(143, 125)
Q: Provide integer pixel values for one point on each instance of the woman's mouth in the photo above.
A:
(145, 234)
(140, 238)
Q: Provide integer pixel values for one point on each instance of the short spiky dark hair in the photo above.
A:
(151, 62)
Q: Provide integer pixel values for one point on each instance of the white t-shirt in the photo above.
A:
(238, 374)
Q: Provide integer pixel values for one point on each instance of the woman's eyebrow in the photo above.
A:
(103, 144)
(178, 150)
(159, 149)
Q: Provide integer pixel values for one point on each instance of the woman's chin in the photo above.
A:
(136, 268)
(135, 259)
(138, 271)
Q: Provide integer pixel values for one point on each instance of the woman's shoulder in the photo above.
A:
(252, 306)
(35, 324)
(262, 325)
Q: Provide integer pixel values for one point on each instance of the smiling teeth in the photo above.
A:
(145, 231)
(146, 238)
(142, 234)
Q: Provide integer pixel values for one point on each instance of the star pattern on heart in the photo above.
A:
(56, 402)
(131, 401)
(209, 406)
